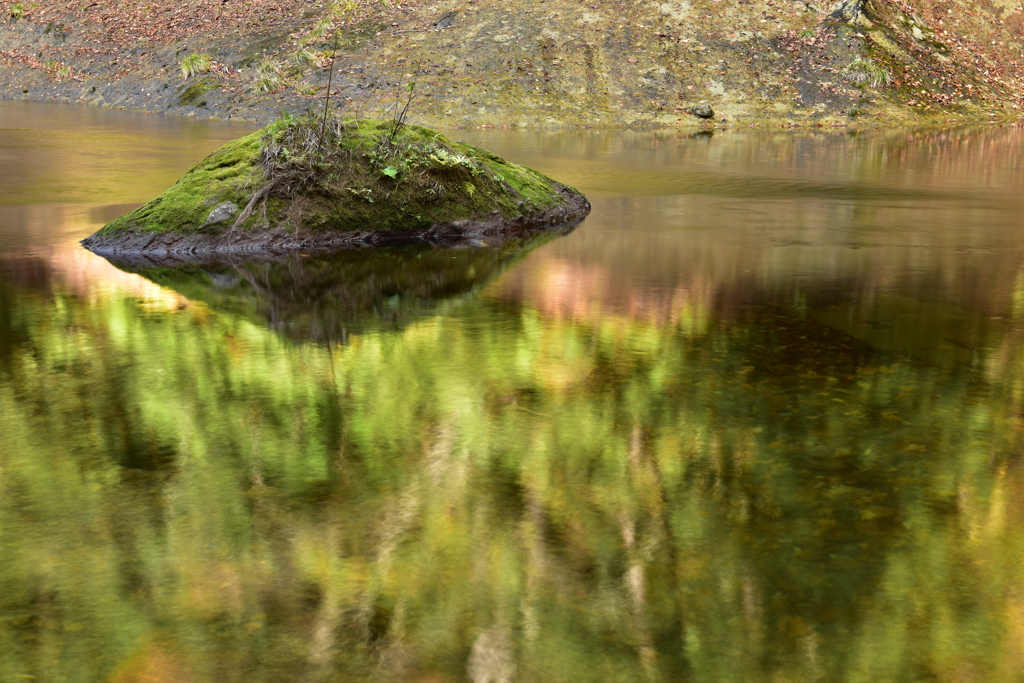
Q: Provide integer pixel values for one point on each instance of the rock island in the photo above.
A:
(309, 182)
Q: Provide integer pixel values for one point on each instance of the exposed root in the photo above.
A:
(260, 194)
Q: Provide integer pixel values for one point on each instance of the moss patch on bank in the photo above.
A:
(193, 95)
(306, 176)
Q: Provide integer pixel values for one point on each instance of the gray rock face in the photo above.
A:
(703, 111)
(850, 11)
(221, 213)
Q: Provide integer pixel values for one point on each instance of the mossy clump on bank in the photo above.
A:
(193, 95)
(316, 180)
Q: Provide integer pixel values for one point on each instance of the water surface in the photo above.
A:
(758, 418)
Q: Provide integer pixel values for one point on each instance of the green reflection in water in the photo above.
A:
(326, 296)
(498, 494)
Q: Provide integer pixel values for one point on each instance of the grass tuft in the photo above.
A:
(196, 63)
(305, 58)
(268, 76)
(866, 72)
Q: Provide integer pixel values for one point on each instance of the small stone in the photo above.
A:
(446, 20)
(703, 111)
(221, 213)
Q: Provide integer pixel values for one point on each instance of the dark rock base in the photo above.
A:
(283, 240)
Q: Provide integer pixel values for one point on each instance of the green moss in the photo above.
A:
(364, 175)
(530, 185)
(193, 95)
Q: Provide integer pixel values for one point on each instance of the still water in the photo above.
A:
(759, 418)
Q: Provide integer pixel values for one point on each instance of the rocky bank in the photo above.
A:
(531, 63)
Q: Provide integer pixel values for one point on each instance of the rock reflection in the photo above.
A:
(327, 296)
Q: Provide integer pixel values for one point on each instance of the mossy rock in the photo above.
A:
(365, 181)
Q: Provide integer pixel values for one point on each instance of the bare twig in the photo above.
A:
(327, 102)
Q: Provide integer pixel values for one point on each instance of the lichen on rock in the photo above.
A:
(307, 181)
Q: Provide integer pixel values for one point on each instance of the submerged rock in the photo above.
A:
(306, 184)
